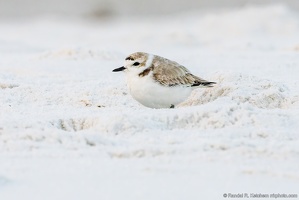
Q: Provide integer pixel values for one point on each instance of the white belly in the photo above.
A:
(151, 94)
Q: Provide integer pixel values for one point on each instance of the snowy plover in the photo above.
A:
(157, 82)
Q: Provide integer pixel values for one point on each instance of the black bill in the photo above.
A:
(119, 69)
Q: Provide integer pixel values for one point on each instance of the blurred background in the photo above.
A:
(97, 9)
(186, 29)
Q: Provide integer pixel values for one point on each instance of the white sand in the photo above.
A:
(70, 130)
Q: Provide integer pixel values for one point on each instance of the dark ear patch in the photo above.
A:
(129, 58)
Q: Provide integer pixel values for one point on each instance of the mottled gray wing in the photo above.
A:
(170, 73)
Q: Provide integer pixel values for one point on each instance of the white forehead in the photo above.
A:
(129, 62)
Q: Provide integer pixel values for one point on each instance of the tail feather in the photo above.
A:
(204, 84)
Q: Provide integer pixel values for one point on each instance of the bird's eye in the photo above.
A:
(136, 63)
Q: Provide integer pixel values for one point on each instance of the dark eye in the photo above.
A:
(136, 63)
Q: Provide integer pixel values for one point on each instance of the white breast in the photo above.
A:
(152, 94)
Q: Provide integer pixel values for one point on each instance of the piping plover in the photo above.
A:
(157, 82)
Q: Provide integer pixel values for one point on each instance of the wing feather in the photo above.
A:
(170, 73)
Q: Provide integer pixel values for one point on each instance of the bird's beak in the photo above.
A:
(119, 69)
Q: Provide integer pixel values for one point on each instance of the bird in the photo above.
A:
(157, 82)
